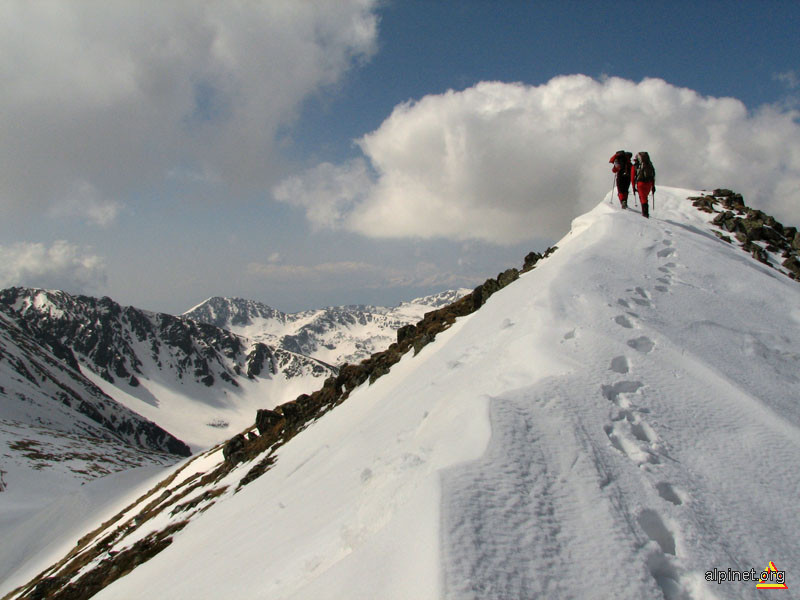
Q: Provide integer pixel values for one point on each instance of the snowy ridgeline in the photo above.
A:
(620, 422)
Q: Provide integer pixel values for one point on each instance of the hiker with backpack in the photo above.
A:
(622, 167)
(643, 175)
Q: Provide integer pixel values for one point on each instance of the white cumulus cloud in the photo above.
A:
(124, 94)
(507, 162)
(62, 266)
(328, 193)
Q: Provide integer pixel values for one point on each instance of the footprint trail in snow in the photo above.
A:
(624, 457)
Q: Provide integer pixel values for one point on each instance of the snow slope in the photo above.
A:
(614, 424)
(38, 529)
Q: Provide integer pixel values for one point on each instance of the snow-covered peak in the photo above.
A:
(54, 303)
(232, 312)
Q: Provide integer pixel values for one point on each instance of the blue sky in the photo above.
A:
(318, 153)
(426, 47)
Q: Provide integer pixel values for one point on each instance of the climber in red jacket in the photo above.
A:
(643, 176)
(622, 167)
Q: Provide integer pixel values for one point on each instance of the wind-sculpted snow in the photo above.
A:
(619, 422)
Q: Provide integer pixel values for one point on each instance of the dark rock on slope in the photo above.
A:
(758, 233)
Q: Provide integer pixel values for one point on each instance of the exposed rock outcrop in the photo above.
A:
(759, 234)
(259, 358)
(534, 257)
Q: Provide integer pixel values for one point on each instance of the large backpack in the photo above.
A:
(645, 171)
(623, 160)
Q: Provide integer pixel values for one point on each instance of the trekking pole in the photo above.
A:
(654, 197)
(611, 197)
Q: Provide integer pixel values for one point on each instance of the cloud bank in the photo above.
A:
(61, 266)
(507, 162)
(82, 201)
(329, 275)
(116, 97)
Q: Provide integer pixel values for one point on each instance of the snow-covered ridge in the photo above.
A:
(611, 424)
(58, 430)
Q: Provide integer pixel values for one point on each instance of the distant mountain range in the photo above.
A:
(79, 373)
(334, 335)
